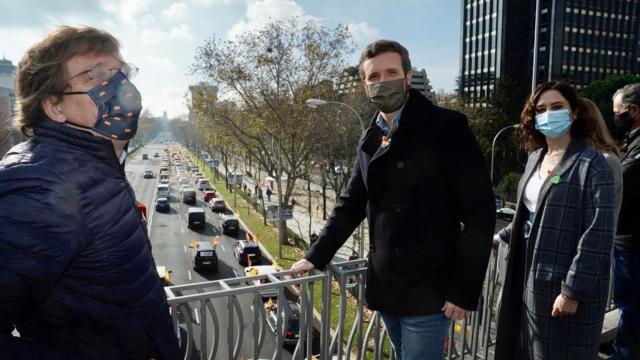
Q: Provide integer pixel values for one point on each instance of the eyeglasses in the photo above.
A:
(101, 72)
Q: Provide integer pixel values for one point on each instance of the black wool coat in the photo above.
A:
(429, 203)
(628, 224)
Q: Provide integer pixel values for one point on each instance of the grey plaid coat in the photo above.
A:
(568, 251)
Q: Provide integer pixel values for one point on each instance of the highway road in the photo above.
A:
(170, 239)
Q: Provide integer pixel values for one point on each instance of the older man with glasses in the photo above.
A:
(77, 276)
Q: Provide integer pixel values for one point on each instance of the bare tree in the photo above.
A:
(272, 72)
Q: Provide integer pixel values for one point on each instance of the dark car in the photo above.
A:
(230, 224)
(195, 218)
(247, 252)
(156, 155)
(203, 256)
(148, 174)
(292, 330)
(163, 204)
(145, 156)
(189, 196)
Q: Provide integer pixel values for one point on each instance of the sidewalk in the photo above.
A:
(300, 222)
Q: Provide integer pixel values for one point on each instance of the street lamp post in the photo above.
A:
(493, 145)
(314, 103)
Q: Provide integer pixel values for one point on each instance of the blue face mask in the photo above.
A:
(553, 124)
(119, 106)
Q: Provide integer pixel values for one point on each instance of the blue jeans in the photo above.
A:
(417, 337)
(626, 295)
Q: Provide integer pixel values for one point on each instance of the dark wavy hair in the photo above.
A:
(581, 127)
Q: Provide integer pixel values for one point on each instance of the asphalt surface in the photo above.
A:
(170, 239)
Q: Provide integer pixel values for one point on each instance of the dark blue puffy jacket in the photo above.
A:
(77, 278)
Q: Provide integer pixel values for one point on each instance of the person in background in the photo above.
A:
(626, 288)
(269, 193)
(77, 276)
(423, 183)
(561, 237)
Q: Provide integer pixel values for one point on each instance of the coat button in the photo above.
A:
(400, 164)
(372, 208)
(397, 208)
(397, 251)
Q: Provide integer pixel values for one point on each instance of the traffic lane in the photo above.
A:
(169, 232)
(171, 238)
(135, 167)
(228, 267)
(170, 241)
(248, 300)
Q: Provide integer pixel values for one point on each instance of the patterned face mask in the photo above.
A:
(119, 106)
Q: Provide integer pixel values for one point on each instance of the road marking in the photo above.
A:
(182, 229)
(189, 274)
(222, 246)
(151, 212)
(185, 249)
(235, 272)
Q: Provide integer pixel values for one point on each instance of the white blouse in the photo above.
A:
(532, 190)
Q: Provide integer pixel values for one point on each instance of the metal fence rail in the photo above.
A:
(226, 319)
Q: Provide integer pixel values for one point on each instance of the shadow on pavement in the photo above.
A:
(208, 230)
(223, 271)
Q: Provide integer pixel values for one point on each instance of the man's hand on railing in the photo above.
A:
(496, 240)
(454, 312)
(301, 266)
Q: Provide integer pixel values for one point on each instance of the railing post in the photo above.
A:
(203, 329)
(230, 327)
(326, 317)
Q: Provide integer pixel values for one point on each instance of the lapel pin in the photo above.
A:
(386, 141)
(555, 179)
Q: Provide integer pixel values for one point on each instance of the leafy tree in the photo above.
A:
(498, 112)
(509, 186)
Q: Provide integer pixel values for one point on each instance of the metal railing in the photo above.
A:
(226, 319)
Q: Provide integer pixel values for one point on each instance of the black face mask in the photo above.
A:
(623, 122)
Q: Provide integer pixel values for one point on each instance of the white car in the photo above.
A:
(203, 184)
(183, 180)
(262, 270)
(164, 191)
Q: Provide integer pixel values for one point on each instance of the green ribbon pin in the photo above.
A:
(555, 179)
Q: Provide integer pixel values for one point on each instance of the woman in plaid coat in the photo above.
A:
(561, 238)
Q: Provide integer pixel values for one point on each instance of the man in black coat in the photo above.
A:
(626, 277)
(421, 180)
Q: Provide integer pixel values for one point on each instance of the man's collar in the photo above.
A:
(123, 156)
(634, 134)
(382, 124)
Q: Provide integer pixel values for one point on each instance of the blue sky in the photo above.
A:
(160, 36)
